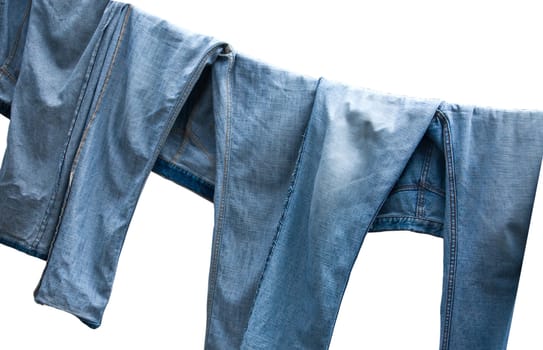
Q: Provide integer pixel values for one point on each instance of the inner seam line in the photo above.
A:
(416, 187)
(42, 227)
(419, 212)
(407, 218)
(40, 230)
(74, 165)
(451, 279)
(190, 135)
(224, 192)
(284, 216)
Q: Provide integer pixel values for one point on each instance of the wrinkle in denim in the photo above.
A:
(43, 124)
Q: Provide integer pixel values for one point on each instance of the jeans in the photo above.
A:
(374, 163)
(131, 116)
(298, 168)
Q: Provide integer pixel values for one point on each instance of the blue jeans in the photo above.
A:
(299, 169)
(195, 129)
(378, 163)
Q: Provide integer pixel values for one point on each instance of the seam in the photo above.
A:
(224, 192)
(190, 135)
(174, 111)
(4, 71)
(194, 176)
(410, 229)
(451, 278)
(184, 179)
(419, 212)
(101, 96)
(198, 143)
(15, 46)
(74, 164)
(22, 247)
(292, 187)
(426, 186)
(45, 219)
(407, 218)
(362, 241)
(181, 148)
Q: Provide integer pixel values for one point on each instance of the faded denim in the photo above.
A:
(377, 163)
(239, 111)
(299, 169)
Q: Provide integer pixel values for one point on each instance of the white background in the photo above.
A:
(485, 53)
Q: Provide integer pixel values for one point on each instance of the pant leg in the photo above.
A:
(261, 115)
(50, 77)
(65, 46)
(151, 69)
(70, 50)
(494, 165)
(356, 147)
(471, 180)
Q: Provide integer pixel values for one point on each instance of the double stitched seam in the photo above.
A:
(191, 174)
(426, 186)
(102, 93)
(13, 51)
(224, 194)
(451, 279)
(373, 219)
(45, 219)
(406, 218)
(74, 166)
(175, 110)
(419, 212)
(282, 219)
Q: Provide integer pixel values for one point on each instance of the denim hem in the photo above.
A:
(22, 248)
(184, 178)
(41, 301)
(5, 109)
(407, 223)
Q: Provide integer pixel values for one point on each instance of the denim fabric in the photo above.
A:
(13, 27)
(128, 93)
(261, 115)
(124, 132)
(59, 77)
(64, 89)
(44, 127)
(374, 163)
